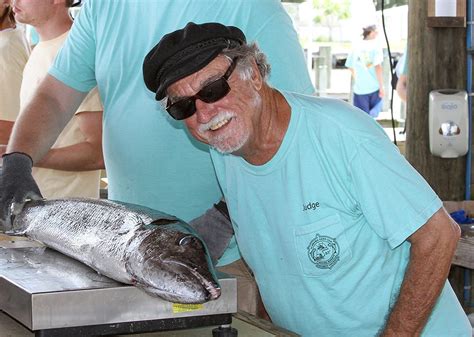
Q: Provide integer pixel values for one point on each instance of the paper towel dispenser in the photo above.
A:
(448, 123)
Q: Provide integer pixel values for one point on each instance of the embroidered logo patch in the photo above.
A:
(323, 251)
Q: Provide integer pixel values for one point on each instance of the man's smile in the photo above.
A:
(219, 124)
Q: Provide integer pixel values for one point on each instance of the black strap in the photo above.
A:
(221, 206)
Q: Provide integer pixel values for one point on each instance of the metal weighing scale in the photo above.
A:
(56, 296)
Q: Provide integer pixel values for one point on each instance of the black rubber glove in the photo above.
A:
(17, 186)
(215, 228)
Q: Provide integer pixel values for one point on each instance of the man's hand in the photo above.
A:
(381, 92)
(215, 228)
(17, 186)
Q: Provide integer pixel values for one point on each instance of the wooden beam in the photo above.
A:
(446, 21)
(436, 60)
(464, 255)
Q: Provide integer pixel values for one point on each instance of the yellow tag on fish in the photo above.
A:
(179, 307)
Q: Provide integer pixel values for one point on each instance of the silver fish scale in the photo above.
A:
(86, 231)
(128, 243)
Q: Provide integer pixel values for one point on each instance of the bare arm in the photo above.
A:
(379, 74)
(431, 253)
(42, 120)
(5, 131)
(83, 156)
(402, 87)
(353, 73)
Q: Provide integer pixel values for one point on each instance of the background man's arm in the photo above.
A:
(353, 73)
(43, 119)
(402, 87)
(5, 131)
(83, 156)
(432, 250)
(379, 74)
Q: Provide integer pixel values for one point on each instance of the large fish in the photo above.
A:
(128, 243)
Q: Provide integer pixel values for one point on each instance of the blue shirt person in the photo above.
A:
(344, 236)
(365, 64)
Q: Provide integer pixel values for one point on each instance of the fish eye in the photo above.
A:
(185, 240)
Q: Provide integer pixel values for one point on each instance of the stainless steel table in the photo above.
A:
(54, 295)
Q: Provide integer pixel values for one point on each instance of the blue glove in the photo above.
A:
(215, 229)
(17, 186)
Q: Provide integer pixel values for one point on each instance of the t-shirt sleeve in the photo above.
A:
(75, 63)
(350, 61)
(91, 102)
(278, 39)
(399, 68)
(378, 56)
(392, 195)
(404, 70)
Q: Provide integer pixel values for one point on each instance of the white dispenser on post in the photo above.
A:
(448, 123)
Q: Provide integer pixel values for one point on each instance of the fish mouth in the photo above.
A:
(212, 288)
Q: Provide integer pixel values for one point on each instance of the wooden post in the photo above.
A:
(436, 60)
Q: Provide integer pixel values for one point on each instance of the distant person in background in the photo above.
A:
(401, 88)
(72, 167)
(365, 64)
(401, 71)
(14, 52)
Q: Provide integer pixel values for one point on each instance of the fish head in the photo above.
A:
(174, 264)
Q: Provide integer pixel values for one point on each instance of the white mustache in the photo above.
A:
(216, 120)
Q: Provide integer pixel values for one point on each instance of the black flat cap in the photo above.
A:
(186, 51)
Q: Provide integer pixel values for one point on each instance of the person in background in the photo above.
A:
(402, 83)
(14, 52)
(72, 167)
(401, 88)
(106, 47)
(307, 181)
(365, 64)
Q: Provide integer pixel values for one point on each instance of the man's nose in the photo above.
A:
(204, 111)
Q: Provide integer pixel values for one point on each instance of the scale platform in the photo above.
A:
(54, 295)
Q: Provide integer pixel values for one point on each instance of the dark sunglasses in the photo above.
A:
(210, 93)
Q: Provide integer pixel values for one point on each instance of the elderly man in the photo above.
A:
(345, 238)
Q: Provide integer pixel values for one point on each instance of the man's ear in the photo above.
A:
(256, 78)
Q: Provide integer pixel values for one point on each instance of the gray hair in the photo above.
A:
(246, 53)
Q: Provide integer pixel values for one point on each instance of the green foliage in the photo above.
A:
(330, 11)
(321, 38)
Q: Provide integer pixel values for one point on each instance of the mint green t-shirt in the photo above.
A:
(363, 60)
(323, 224)
(151, 160)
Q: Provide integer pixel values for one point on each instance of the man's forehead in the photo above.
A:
(216, 66)
(210, 72)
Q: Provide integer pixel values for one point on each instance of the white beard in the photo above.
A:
(233, 139)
